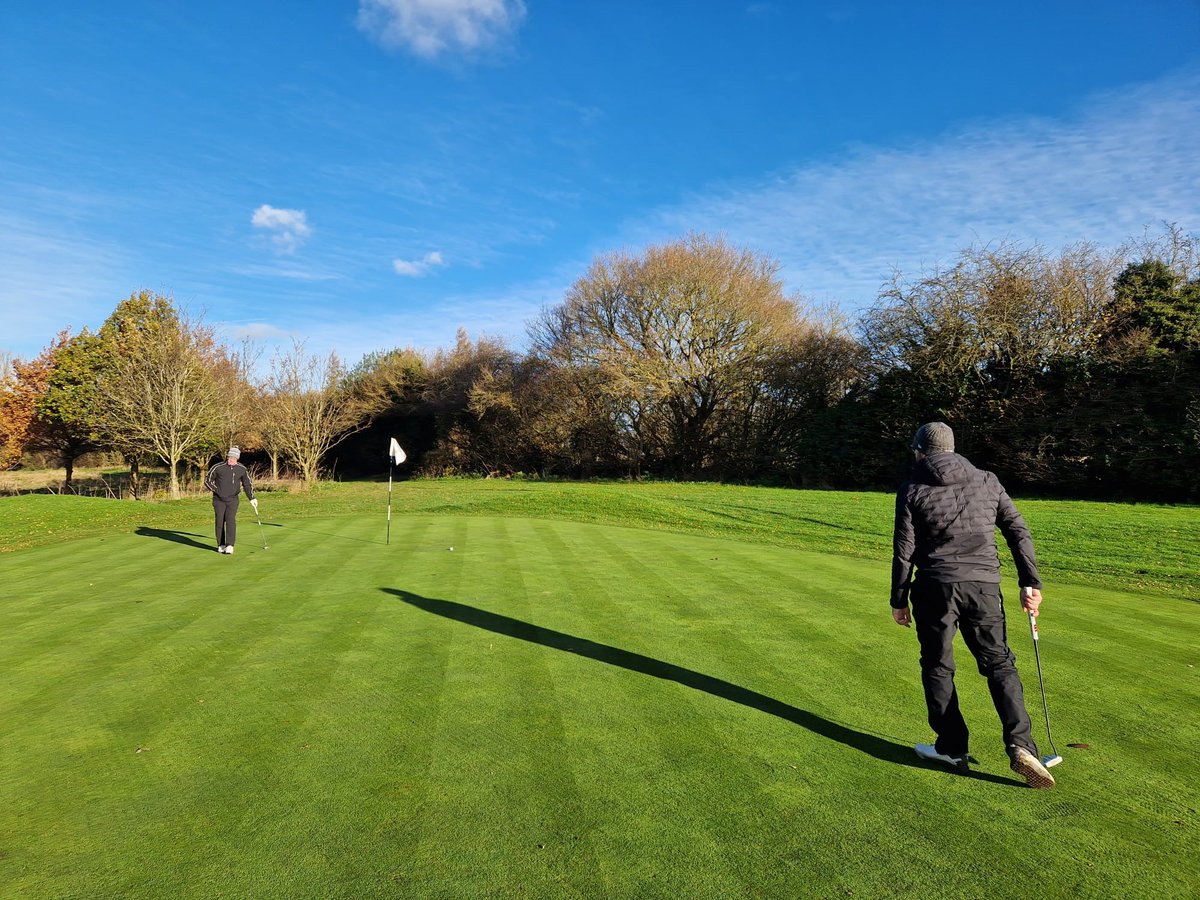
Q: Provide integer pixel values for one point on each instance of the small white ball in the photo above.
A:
(451, 549)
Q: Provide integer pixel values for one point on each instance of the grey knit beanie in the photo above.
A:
(934, 437)
(234, 452)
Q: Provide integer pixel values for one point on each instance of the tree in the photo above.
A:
(66, 422)
(675, 338)
(1156, 308)
(972, 345)
(160, 394)
(785, 426)
(20, 389)
(312, 408)
(393, 383)
(468, 433)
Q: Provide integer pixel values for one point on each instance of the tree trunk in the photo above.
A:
(309, 475)
(135, 476)
(69, 465)
(274, 465)
(174, 489)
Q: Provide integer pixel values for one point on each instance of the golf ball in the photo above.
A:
(451, 549)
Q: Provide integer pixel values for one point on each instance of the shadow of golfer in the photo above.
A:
(880, 748)
(178, 537)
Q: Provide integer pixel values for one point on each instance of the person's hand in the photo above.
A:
(254, 503)
(902, 616)
(1031, 599)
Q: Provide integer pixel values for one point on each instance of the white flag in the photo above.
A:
(396, 453)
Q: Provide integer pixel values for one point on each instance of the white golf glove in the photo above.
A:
(254, 503)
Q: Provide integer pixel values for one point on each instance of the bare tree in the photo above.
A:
(233, 371)
(311, 408)
(7, 375)
(997, 310)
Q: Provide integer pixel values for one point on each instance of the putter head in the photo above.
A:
(1051, 761)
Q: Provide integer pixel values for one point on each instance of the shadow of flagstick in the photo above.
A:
(880, 748)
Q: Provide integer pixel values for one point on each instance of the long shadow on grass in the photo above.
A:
(880, 748)
(178, 537)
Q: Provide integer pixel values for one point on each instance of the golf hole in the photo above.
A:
(1080, 746)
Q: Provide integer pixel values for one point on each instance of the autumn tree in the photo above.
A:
(469, 435)
(20, 388)
(674, 337)
(160, 394)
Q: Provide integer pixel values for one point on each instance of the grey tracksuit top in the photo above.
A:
(224, 481)
(946, 520)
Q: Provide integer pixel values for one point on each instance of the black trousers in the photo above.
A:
(226, 515)
(976, 608)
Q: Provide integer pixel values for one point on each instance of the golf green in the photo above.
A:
(556, 708)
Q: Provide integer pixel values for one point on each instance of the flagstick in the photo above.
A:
(391, 466)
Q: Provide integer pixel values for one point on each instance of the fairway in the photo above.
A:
(556, 708)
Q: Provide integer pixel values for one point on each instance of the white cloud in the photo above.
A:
(288, 227)
(415, 268)
(1121, 164)
(430, 28)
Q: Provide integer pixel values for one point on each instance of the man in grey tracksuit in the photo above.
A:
(226, 480)
(946, 520)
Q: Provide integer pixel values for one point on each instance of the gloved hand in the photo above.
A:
(254, 503)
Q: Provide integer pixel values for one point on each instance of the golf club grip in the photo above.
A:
(1033, 629)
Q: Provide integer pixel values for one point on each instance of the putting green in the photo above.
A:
(555, 709)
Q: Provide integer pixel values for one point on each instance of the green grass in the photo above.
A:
(1128, 546)
(603, 690)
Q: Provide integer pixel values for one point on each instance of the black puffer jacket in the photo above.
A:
(946, 520)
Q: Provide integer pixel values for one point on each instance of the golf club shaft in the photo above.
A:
(262, 534)
(1033, 630)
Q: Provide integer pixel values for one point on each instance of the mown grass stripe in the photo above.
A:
(699, 746)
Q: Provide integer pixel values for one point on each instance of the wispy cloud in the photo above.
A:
(285, 271)
(288, 227)
(431, 28)
(255, 331)
(1123, 163)
(416, 268)
(55, 276)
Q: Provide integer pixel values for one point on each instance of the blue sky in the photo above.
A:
(367, 174)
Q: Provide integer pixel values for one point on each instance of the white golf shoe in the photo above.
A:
(1030, 768)
(929, 752)
(229, 548)
(221, 549)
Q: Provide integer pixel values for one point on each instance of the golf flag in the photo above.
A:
(396, 455)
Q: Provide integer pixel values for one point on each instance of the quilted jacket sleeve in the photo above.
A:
(1019, 540)
(904, 545)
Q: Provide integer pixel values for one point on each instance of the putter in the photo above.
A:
(261, 533)
(1053, 759)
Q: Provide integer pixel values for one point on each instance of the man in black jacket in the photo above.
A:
(946, 520)
(226, 480)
